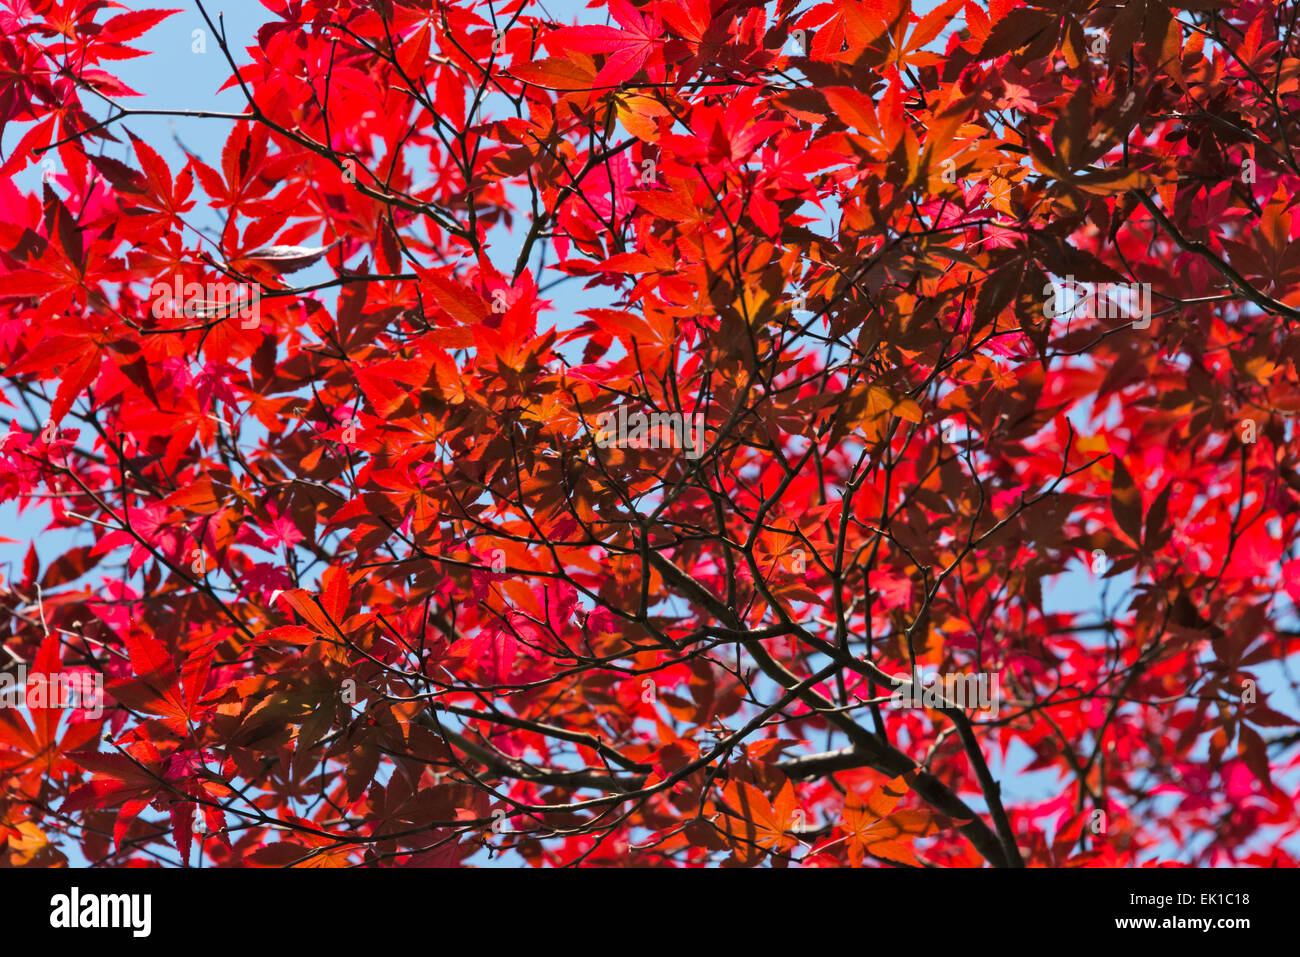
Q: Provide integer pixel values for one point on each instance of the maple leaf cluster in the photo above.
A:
(364, 580)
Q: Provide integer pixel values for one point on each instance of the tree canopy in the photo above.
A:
(676, 453)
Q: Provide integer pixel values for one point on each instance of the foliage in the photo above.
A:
(367, 582)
